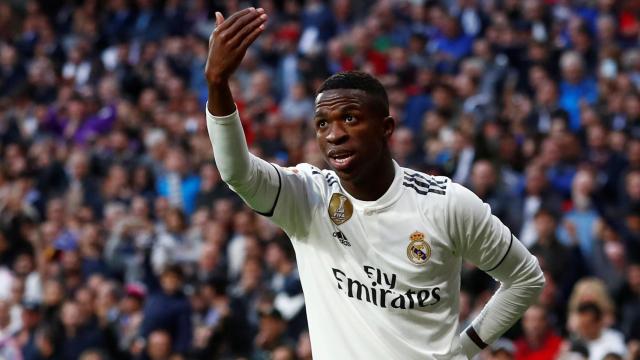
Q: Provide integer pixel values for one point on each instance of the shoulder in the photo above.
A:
(612, 336)
(320, 177)
(425, 184)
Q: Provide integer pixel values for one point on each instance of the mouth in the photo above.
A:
(340, 160)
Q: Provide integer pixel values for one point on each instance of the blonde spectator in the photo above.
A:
(591, 290)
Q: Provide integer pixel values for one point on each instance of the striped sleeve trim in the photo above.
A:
(504, 256)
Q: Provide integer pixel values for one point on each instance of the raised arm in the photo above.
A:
(255, 180)
(490, 245)
(260, 184)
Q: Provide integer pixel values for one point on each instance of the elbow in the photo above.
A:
(536, 282)
(531, 282)
(230, 175)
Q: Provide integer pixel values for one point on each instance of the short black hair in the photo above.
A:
(173, 269)
(358, 80)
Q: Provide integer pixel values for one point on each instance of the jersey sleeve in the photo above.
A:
(484, 240)
(300, 195)
(480, 237)
(287, 195)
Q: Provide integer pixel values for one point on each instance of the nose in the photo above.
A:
(336, 134)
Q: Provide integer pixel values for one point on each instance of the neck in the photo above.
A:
(373, 185)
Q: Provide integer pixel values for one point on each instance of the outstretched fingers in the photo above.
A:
(248, 29)
(249, 39)
(241, 22)
(233, 18)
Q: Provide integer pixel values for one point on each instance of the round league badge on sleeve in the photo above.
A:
(418, 250)
(340, 208)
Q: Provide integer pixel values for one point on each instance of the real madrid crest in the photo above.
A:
(418, 250)
(340, 208)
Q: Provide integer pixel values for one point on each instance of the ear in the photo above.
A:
(388, 126)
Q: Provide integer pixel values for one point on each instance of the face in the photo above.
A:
(170, 282)
(351, 132)
(588, 326)
(70, 315)
(159, 345)
(534, 322)
(545, 225)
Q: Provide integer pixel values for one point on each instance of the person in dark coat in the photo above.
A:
(79, 333)
(169, 309)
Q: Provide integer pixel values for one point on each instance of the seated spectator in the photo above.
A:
(535, 196)
(590, 289)
(564, 263)
(79, 333)
(630, 302)
(599, 340)
(577, 89)
(172, 245)
(93, 355)
(177, 183)
(609, 260)
(285, 283)
(539, 341)
(271, 334)
(130, 316)
(485, 182)
(168, 310)
(582, 218)
(159, 346)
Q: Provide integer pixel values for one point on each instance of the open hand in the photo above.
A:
(229, 42)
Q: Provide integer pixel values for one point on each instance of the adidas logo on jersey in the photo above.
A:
(341, 238)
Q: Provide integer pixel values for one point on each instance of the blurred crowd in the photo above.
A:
(118, 239)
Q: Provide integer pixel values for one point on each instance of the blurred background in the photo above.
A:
(118, 239)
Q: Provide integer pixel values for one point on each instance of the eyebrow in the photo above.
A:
(348, 107)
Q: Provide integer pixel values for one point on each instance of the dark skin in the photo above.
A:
(348, 122)
(352, 127)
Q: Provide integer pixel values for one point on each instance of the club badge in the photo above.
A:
(418, 250)
(340, 208)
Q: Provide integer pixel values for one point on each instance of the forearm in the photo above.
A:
(521, 282)
(254, 179)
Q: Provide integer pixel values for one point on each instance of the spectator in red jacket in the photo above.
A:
(539, 341)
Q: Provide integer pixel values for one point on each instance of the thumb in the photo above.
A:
(219, 18)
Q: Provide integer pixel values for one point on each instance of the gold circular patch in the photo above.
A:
(340, 208)
(418, 252)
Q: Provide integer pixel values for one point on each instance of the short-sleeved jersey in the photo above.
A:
(381, 279)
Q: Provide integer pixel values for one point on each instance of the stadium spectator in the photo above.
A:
(168, 310)
(539, 340)
(599, 341)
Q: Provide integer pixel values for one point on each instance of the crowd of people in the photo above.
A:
(118, 239)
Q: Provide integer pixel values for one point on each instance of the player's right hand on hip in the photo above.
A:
(229, 42)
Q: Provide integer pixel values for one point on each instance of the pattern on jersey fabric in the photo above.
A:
(329, 177)
(424, 185)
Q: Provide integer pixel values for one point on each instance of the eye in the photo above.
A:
(321, 124)
(349, 118)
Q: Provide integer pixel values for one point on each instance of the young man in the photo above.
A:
(379, 247)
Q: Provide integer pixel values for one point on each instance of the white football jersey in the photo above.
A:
(381, 279)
